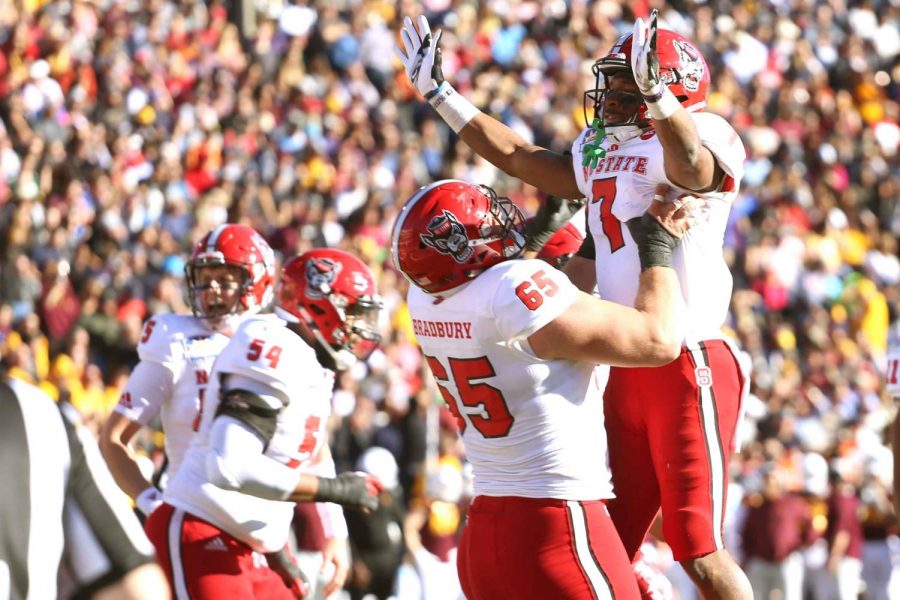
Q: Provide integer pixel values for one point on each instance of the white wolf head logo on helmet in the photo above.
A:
(448, 236)
(320, 276)
(691, 65)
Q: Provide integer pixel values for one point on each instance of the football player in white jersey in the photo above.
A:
(261, 444)
(671, 430)
(513, 345)
(230, 275)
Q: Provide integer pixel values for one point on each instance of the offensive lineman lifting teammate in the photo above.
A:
(513, 346)
(671, 429)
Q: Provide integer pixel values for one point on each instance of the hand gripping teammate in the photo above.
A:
(671, 430)
(514, 348)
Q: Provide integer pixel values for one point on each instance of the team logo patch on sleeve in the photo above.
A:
(448, 236)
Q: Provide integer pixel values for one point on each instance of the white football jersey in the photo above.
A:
(186, 347)
(264, 350)
(621, 187)
(531, 427)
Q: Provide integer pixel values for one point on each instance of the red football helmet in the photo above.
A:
(238, 246)
(450, 231)
(561, 246)
(332, 293)
(681, 67)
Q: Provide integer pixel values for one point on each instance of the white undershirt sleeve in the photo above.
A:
(148, 386)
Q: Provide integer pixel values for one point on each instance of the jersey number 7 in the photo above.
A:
(483, 404)
(604, 192)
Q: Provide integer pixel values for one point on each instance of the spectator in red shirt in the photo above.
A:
(845, 536)
(58, 306)
(778, 524)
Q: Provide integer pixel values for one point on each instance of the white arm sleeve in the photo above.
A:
(236, 462)
(148, 386)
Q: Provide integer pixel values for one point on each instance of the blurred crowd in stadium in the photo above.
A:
(129, 128)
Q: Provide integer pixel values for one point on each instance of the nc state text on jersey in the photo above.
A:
(611, 164)
(457, 330)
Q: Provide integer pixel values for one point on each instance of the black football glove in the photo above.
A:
(357, 490)
(290, 572)
(655, 243)
(552, 216)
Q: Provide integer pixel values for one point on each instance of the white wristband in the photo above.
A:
(663, 108)
(453, 108)
(333, 522)
(148, 501)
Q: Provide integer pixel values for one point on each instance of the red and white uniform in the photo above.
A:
(687, 443)
(530, 431)
(621, 187)
(177, 353)
(203, 531)
(264, 350)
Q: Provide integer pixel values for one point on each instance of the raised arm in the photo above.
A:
(604, 332)
(546, 170)
(687, 162)
(500, 145)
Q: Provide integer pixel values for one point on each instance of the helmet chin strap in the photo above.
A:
(343, 358)
(623, 133)
(231, 321)
(224, 323)
(592, 152)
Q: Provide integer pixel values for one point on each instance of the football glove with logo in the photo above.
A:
(661, 102)
(422, 57)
